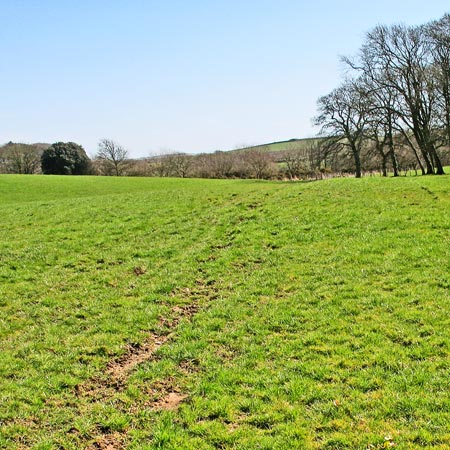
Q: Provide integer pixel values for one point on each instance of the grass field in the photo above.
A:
(293, 144)
(224, 314)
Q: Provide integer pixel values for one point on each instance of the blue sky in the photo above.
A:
(189, 76)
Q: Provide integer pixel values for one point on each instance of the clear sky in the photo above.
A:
(192, 75)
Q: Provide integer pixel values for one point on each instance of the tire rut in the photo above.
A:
(104, 387)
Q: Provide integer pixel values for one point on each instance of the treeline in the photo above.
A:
(315, 159)
(303, 159)
(396, 96)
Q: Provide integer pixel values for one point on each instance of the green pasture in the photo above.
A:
(284, 315)
(291, 145)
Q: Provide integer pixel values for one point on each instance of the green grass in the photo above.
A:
(293, 144)
(322, 322)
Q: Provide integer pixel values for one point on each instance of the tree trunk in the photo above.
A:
(394, 162)
(384, 166)
(437, 160)
(392, 149)
(413, 148)
(424, 149)
(357, 158)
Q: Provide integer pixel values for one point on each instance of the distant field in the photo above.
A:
(292, 144)
(224, 314)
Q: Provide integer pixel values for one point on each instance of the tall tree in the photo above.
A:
(398, 59)
(343, 117)
(381, 122)
(438, 33)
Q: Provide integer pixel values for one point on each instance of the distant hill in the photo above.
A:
(37, 145)
(278, 146)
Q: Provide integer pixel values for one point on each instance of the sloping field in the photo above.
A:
(291, 145)
(221, 314)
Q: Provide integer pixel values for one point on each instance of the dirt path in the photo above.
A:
(104, 387)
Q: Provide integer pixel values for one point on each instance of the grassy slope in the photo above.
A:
(293, 144)
(323, 320)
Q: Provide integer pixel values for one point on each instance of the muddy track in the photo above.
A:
(118, 370)
(103, 388)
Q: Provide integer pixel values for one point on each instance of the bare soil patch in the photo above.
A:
(170, 402)
(108, 442)
(165, 394)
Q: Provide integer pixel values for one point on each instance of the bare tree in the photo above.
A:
(180, 164)
(343, 117)
(171, 164)
(399, 59)
(222, 164)
(438, 34)
(295, 160)
(259, 162)
(112, 155)
(381, 122)
(20, 158)
(158, 165)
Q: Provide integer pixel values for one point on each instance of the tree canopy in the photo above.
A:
(65, 158)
